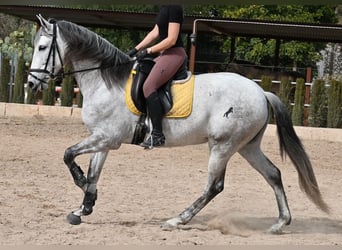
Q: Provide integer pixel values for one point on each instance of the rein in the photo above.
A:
(54, 49)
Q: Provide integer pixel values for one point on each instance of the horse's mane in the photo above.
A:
(85, 44)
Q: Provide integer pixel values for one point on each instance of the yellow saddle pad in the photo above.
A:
(182, 94)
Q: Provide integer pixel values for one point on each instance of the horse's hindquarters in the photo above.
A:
(226, 106)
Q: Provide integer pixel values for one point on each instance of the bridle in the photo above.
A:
(53, 52)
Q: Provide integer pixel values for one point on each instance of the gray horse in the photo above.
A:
(230, 113)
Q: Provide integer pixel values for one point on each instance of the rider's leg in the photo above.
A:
(156, 112)
(164, 69)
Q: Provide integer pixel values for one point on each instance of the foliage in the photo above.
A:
(334, 118)
(18, 90)
(67, 93)
(31, 97)
(122, 39)
(19, 42)
(266, 83)
(17, 45)
(4, 79)
(285, 91)
(332, 58)
(49, 94)
(318, 105)
(292, 53)
(298, 109)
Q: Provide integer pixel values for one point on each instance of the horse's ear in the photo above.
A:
(44, 23)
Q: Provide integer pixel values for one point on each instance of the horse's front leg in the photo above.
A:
(77, 173)
(92, 144)
(90, 193)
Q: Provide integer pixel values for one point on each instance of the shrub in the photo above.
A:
(266, 83)
(18, 89)
(5, 74)
(49, 95)
(67, 94)
(318, 105)
(334, 118)
(298, 109)
(285, 91)
(31, 97)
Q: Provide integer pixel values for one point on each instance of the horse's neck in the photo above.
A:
(91, 82)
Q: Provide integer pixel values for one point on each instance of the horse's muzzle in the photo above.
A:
(37, 87)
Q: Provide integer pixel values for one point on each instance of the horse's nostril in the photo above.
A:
(30, 84)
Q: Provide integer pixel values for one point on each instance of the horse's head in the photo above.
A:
(47, 56)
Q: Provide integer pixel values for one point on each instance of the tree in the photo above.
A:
(18, 91)
(4, 78)
(332, 58)
(266, 83)
(49, 94)
(18, 45)
(318, 105)
(67, 93)
(298, 109)
(31, 97)
(285, 91)
(292, 53)
(334, 119)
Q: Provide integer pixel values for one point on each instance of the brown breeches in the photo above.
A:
(167, 65)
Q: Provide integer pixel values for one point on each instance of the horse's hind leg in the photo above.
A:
(215, 184)
(253, 154)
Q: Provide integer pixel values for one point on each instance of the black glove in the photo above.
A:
(141, 54)
(132, 52)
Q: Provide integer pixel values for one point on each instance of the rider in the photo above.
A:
(172, 55)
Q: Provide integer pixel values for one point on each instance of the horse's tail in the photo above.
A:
(291, 144)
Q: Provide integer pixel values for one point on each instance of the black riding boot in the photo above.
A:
(156, 112)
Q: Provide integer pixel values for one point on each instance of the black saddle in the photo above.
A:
(143, 69)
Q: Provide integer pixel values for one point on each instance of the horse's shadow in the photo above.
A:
(245, 226)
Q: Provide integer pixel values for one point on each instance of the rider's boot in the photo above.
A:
(156, 112)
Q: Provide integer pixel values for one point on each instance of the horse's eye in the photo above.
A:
(41, 47)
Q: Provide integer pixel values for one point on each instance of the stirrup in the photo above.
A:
(154, 140)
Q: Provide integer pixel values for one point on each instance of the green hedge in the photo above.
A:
(19, 79)
(4, 79)
(298, 109)
(334, 118)
(318, 104)
(285, 92)
(67, 94)
(49, 95)
(266, 83)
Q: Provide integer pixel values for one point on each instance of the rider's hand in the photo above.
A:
(141, 54)
(132, 52)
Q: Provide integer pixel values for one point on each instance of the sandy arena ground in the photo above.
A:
(139, 190)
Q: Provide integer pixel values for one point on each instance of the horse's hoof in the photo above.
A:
(276, 229)
(167, 227)
(171, 224)
(73, 219)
